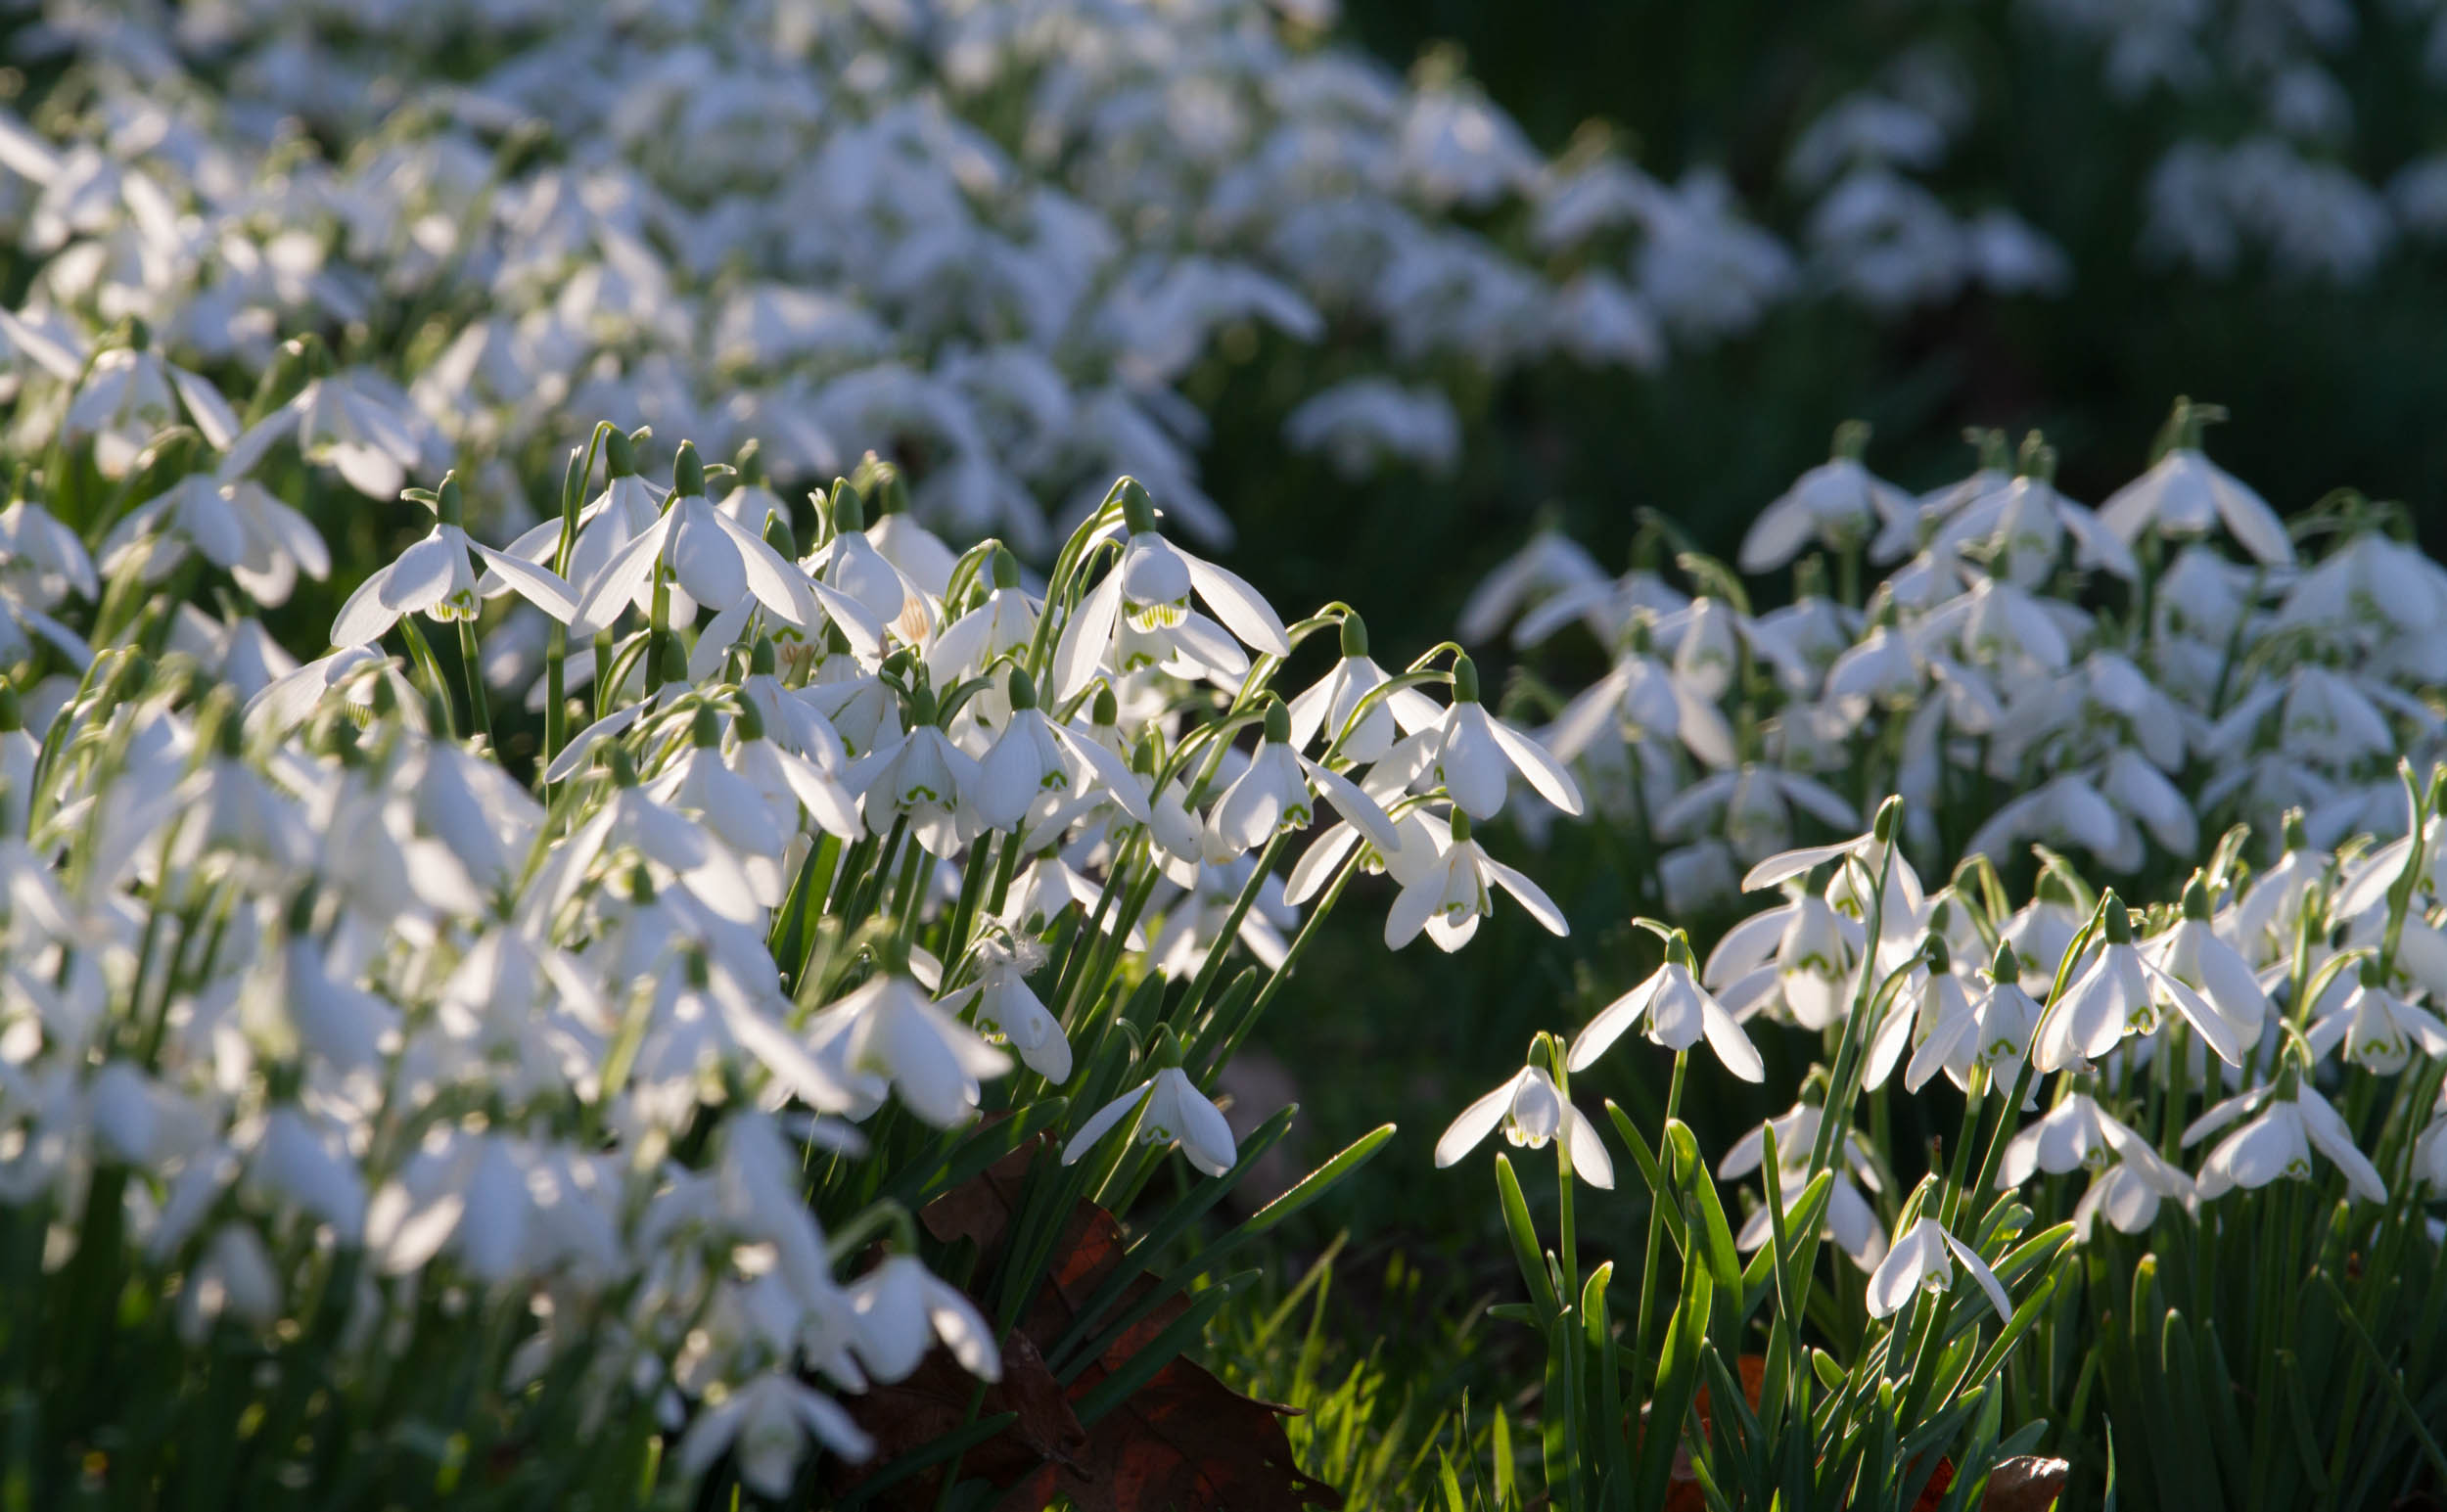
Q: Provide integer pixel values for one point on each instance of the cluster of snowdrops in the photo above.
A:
(2173, 691)
(320, 1015)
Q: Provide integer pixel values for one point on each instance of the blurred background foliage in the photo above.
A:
(2330, 384)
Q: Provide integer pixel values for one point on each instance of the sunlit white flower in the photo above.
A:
(1449, 895)
(2279, 1143)
(1532, 1111)
(1148, 592)
(1677, 1012)
(1176, 1112)
(1923, 1259)
(438, 578)
(889, 1028)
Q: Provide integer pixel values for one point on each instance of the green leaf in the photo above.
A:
(1318, 1181)
(1525, 1248)
(1652, 1173)
(1724, 1268)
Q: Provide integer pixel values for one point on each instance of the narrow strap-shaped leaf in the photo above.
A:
(1525, 1248)
(1321, 1180)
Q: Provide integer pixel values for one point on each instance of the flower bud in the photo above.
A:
(1465, 680)
(615, 761)
(1888, 813)
(228, 730)
(751, 464)
(848, 509)
(2005, 965)
(1852, 440)
(298, 918)
(1164, 1050)
(1935, 952)
(620, 454)
(1107, 709)
(1139, 510)
(879, 481)
(1355, 635)
(1023, 689)
(1003, 568)
(779, 535)
(687, 473)
(2196, 900)
(2116, 919)
(1277, 722)
(1461, 830)
(2296, 840)
(704, 731)
(761, 658)
(447, 504)
(922, 708)
(672, 661)
(748, 720)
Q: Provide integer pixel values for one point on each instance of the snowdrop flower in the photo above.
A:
(850, 565)
(2129, 1194)
(233, 523)
(1329, 705)
(1803, 954)
(1919, 1262)
(2193, 953)
(233, 1278)
(1679, 1011)
(128, 394)
(1010, 1013)
(436, 578)
(1839, 503)
(350, 420)
(1148, 593)
(1850, 1223)
(2184, 493)
(1034, 756)
(1642, 698)
(1476, 754)
(2022, 528)
(2279, 1143)
(1551, 563)
(1532, 1111)
(890, 1029)
(1932, 995)
(900, 1308)
(1274, 795)
(764, 1425)
(1176, 1113)
(2121, 992)
(1993, 1033)
(920, 776)
(2077, 1134)
(2379, 1030)
(1449, 895)
(717, 560)
(1753, 807)
(2429, 1152)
